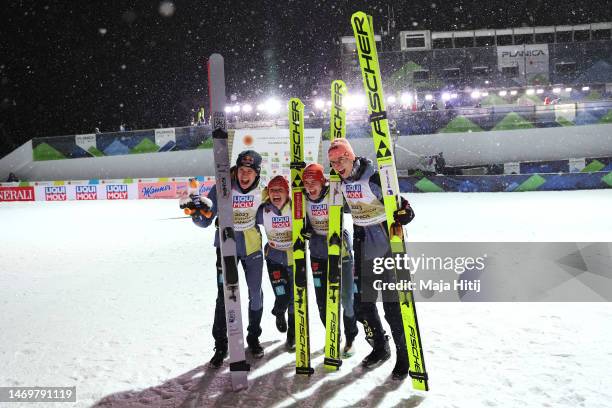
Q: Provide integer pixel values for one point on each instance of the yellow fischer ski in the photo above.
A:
(368, 61)
(337, 124)
(298, 213)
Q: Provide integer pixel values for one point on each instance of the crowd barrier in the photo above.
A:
(401, 122)
(507, 183)
(171, 188)
(88, 190)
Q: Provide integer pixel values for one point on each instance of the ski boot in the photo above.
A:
(400, 371)
(254, 330)
(281, 323)
(220, 354)
(290, 343)
(379, 355)
(350, 327)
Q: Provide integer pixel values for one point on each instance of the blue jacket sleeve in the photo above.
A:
(202, 221)
(259, 216)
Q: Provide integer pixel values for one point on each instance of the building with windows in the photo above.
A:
(424, 61)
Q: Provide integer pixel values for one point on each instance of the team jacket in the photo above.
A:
(317, 221)
(279, 232)
(245, 204)
(364, 196)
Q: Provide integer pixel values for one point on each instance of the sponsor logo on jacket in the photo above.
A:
(243, 201)
(280, 221)
(86, 192)
(354, 191)
(319, 209)
(116, 192)
(55, 193)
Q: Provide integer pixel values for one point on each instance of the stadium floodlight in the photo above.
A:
(454, 96)
(350, 101)
(428, 97)
(406, 98)
(503, 93)
(585, 88)
(261, 106)
(475, 94)
(328, 104)
(513, 92)
(272, 106)
(556, 90)
(539, 91)
(446, 96)
(228, 109)
(530, 91)
(236, 108)
(319, 104)
(354, 101)
(246, 108)
(485, 93)
(568, 89)
(391, 99)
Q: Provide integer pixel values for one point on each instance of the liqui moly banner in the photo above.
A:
(86, 192)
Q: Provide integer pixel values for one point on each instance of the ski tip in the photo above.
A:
(216, 57)
(359, 15)
(295, 104)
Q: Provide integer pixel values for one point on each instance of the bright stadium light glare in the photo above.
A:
(246, 108)
(475, 95)
(454, 96)
(349, 101)
(485, 93)
(556, 90)
(406, 98)
(503, 93)
(513, 92)
(568, 89)
(585, 88)
(273, 106)
(319, 104)
(354, 101)
(236, 108)
(446, 96)
(361, 100)
(391, 99)
(228, 109)
(261, 106)
(328, 104)
(539, 91)
(530, 91)
(428, 97)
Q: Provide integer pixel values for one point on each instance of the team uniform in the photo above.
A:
(248, 238)
(362, 191)
(317, 220)
(279, 262)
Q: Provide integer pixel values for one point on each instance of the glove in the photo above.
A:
(404, 213)
(196, 205)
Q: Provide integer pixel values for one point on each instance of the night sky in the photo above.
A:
(67, 67)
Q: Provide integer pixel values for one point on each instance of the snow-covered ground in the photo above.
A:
(117, 300)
